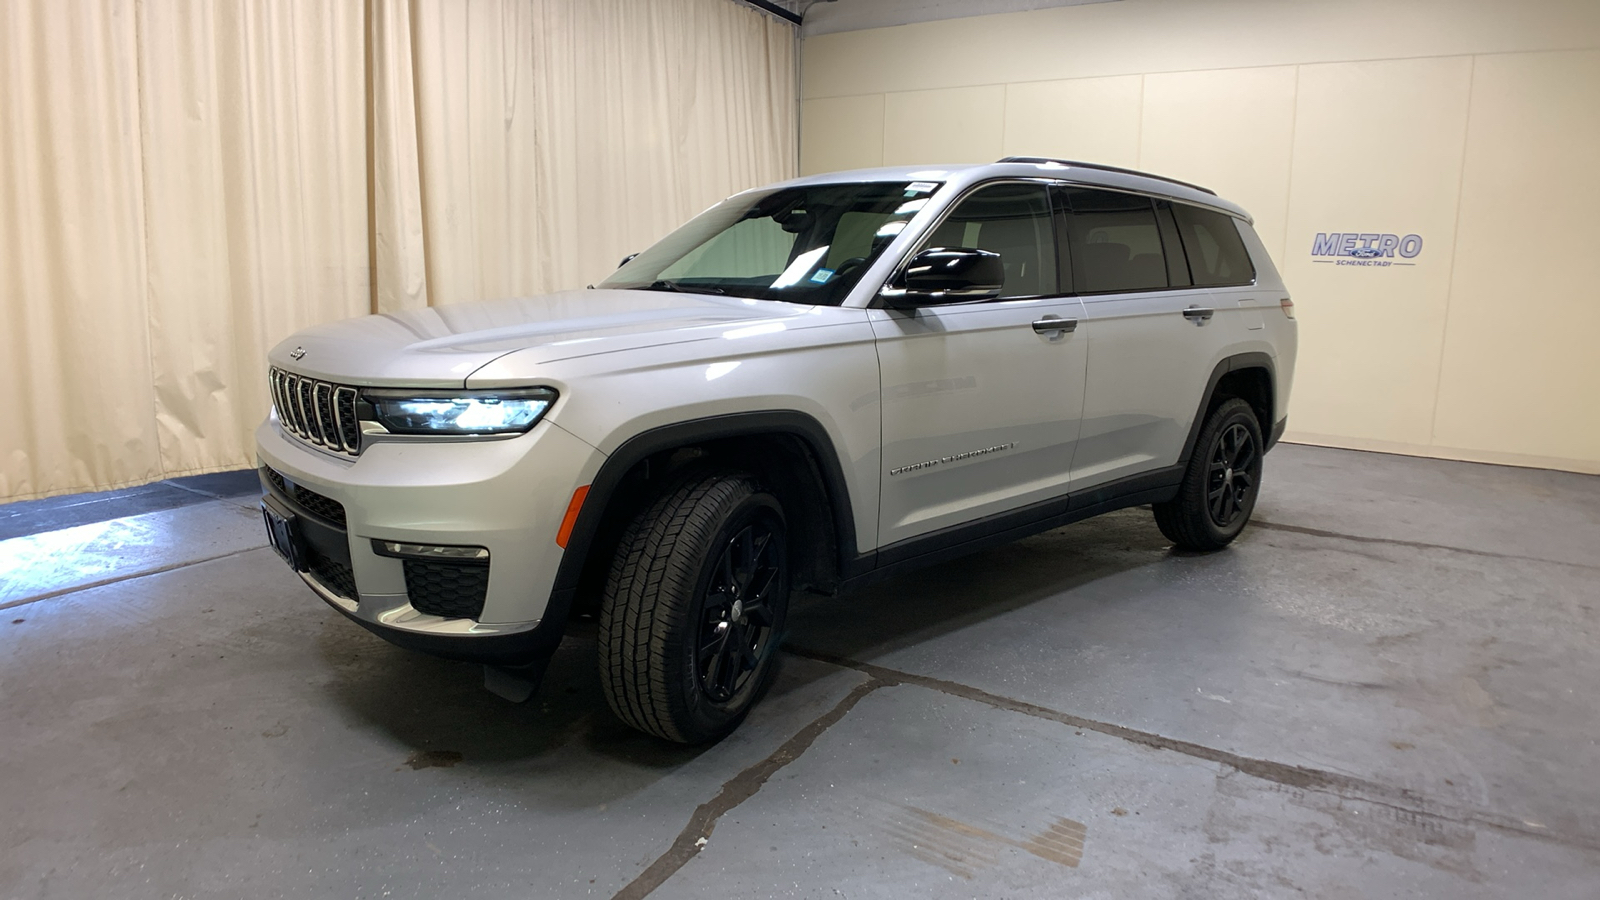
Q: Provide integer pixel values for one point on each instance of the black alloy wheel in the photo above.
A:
(1220, 483)
(694, 606)
(1232, 475)
(736, 612)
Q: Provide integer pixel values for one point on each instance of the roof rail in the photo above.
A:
(1104, 168)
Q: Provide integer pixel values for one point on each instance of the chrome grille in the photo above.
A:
(316, 411)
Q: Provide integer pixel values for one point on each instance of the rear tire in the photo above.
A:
(694, 607)
(1220, 485)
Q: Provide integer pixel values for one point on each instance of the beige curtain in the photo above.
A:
(182, 184)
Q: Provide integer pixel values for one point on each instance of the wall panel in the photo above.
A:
(1377, 149)
(1139, 37)
(841, 133)
(1231, 130)
(1520, 371)
(1092, 119)
(959, 125)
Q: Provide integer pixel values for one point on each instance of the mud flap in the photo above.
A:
(515, 683)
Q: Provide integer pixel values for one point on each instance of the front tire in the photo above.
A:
(694, 607)
(1222, 481)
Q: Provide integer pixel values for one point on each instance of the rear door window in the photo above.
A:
(1115, 242)
(1217, 256)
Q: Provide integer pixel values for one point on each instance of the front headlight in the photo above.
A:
(458, 412)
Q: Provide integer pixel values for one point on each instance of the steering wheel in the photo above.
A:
(848, 265)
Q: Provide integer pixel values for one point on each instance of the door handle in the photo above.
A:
(1051, 324)
(1199, 314)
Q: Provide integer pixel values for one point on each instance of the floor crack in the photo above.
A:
(738, 789)
(1416, 545)
(1348, 787)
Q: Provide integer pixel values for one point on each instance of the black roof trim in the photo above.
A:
(1104, 168)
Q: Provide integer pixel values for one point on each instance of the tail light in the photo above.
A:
(1287, 306)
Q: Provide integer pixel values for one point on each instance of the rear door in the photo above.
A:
(1154, 335)
(980, 406)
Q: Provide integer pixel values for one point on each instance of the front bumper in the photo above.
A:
(508, 496)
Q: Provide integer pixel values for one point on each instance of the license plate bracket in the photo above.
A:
(283, 532)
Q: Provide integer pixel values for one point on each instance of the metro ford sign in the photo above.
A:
(1350, 248)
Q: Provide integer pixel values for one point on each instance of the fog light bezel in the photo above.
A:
(460, 554)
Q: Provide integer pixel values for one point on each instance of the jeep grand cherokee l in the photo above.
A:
(809, 386)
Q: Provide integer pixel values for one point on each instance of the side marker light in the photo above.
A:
(571, 518)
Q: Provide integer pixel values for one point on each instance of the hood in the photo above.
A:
(442, 346)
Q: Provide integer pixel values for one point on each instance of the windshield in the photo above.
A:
(801, 244)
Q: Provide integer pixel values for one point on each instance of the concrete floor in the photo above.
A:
(1386, 687)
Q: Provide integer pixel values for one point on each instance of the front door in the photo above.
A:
(981, 401)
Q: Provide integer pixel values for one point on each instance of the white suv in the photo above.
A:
(808, 386)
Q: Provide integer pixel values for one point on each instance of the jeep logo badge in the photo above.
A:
(297, 352)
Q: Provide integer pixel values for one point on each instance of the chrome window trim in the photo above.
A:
(910, 251)
(1152, 195)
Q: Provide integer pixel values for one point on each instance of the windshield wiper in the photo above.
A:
(665, 285)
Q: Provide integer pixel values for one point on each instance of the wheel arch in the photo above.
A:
(1251, 377)
(789, 451)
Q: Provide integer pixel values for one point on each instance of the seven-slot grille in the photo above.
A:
(317, 411)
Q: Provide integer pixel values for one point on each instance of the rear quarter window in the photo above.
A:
(1217, 255)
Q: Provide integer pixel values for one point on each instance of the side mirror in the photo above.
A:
(626, 259)
(940, 275)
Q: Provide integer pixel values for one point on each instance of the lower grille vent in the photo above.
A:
(335, 576)
(448, 589)
(313, 502)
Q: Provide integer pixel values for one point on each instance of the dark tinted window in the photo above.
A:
(1216, 252)
(1014, 221)
(1116, 244)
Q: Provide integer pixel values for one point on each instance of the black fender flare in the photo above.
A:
(1252, 360)
(687, 433)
